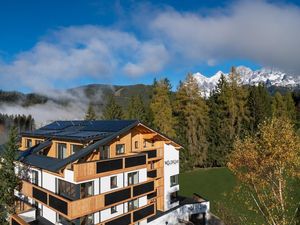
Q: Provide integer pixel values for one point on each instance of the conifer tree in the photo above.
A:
(112, 110)
(192, 122)
(259, 105)
(90, 114)
(229, 117)
(291, 112)
(136, 109)
(161, 108)
(9, 179)
(278, 106)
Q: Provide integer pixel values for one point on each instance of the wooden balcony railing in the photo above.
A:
(16, 220)
(133, 217)
(96, 169)
(78, 208)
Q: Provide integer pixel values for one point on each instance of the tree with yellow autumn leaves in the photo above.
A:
(265, 163)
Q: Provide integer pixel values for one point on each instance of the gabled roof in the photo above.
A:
(59, 129)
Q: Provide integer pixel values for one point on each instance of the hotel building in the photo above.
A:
(101, 172)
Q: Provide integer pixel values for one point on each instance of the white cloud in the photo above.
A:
(266, 33)
(74, 52)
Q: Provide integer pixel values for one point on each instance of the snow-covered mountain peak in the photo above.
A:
(267, 76)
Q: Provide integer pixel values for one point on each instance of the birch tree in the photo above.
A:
(265, 163)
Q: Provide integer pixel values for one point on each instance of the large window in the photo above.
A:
(120, 149)
(35, 177)
(75, 148)
(174, 180)
(67, 189)
(113, 182)
(133, 178)
(132, 205)
(86, 189)
(61, 150)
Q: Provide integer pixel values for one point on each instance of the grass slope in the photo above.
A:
(217, 185)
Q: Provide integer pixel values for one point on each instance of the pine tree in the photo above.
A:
(90, 114)
(161, 108)
(259, 105)
(278, 105)
(229, 117)
(192, 122)
(112, 110)
(9, 180)
(291, 112)
(136, 109)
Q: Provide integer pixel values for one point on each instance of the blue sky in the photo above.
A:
(63, 44)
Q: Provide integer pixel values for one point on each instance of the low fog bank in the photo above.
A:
(61, 105)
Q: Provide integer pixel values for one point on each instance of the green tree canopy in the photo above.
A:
(9, 179)
(161, 108)
(112, 110)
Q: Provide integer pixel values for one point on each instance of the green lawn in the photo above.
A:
(216, 185)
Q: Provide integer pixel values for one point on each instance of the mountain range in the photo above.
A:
(72, 103)
(269, 77)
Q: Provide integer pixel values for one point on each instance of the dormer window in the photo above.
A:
(61, 150)
(28, 143)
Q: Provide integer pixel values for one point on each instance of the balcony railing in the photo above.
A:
(96, 169)
(133, 216)
(78, 208)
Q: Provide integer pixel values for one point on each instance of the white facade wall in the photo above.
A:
(48, 181)
(49, 214)
(106, 213)
(143, 201)
(171, 167)
(105, 183)
(142, 176)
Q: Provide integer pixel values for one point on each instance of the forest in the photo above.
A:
(205, 127)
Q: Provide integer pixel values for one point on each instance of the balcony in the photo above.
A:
(133, 217)
(96, 169)
(78, 208)
(25, 214)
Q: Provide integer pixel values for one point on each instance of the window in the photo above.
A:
(113, 182)
(152, 143)
(28, 143)
(145, 144)
(35, 177)
(133, 178)
(75, 148)
(67, 190)
(136, 144)
(113, 209)
(174, 180)
(104, 152)
(132, 205)
(87, 220)
(174, 197)
(61, 151)
(120, 149)
(86, 189)
(38, 142)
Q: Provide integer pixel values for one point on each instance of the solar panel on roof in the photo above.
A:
(108, 126)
